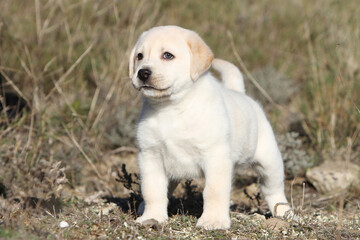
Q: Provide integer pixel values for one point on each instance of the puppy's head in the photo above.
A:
(167, 60)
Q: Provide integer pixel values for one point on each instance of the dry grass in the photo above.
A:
(67, 60)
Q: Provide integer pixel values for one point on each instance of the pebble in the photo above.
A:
(276, 224)
(108, 209)
(334, 177)
(63, 224)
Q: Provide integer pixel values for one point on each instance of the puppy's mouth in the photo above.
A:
(150, 87)
(150, 91)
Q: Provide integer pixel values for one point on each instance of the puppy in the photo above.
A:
(192, 125)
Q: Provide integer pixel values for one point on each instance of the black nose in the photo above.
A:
(144, 74)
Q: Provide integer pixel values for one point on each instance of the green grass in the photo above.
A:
(6, 233)
(68, 60)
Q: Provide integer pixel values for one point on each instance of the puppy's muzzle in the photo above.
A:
(144, 74)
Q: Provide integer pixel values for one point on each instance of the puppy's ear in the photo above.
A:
(201, 55)
(131, 62)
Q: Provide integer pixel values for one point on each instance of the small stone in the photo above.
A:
(108, 209)
(63, 224)
(258, 217)
(333, 177)
(276, 224)
(248, 196)
(241, 215)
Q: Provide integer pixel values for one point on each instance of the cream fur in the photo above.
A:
(193, 126)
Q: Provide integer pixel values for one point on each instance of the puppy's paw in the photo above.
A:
(214, 222)
(285, 212)
(146, 219)
(281, 209)
(151, 223)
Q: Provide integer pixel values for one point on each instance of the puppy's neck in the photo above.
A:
(183, 97)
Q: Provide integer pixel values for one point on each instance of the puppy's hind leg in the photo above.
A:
(271, 169)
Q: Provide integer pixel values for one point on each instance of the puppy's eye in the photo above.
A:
(140, 56)
(168, 56)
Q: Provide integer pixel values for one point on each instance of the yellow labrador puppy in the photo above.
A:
(192, 126)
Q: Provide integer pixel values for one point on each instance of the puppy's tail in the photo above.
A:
(230, 74)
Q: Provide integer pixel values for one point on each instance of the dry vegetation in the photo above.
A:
(68, 113)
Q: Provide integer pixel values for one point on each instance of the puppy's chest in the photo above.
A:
(178, 148)
(176, 140)
(180, 157)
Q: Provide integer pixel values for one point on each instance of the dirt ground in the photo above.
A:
(85, 214)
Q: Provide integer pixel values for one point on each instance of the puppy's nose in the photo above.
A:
(144, 74)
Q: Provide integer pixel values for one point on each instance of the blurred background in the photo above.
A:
(68, 111)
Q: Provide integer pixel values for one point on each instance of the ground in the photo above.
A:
(98, 215)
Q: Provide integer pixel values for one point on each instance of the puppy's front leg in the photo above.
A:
(218, 174)
(154, 185)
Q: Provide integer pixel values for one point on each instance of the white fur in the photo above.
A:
(231, 75)
(198, 127)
